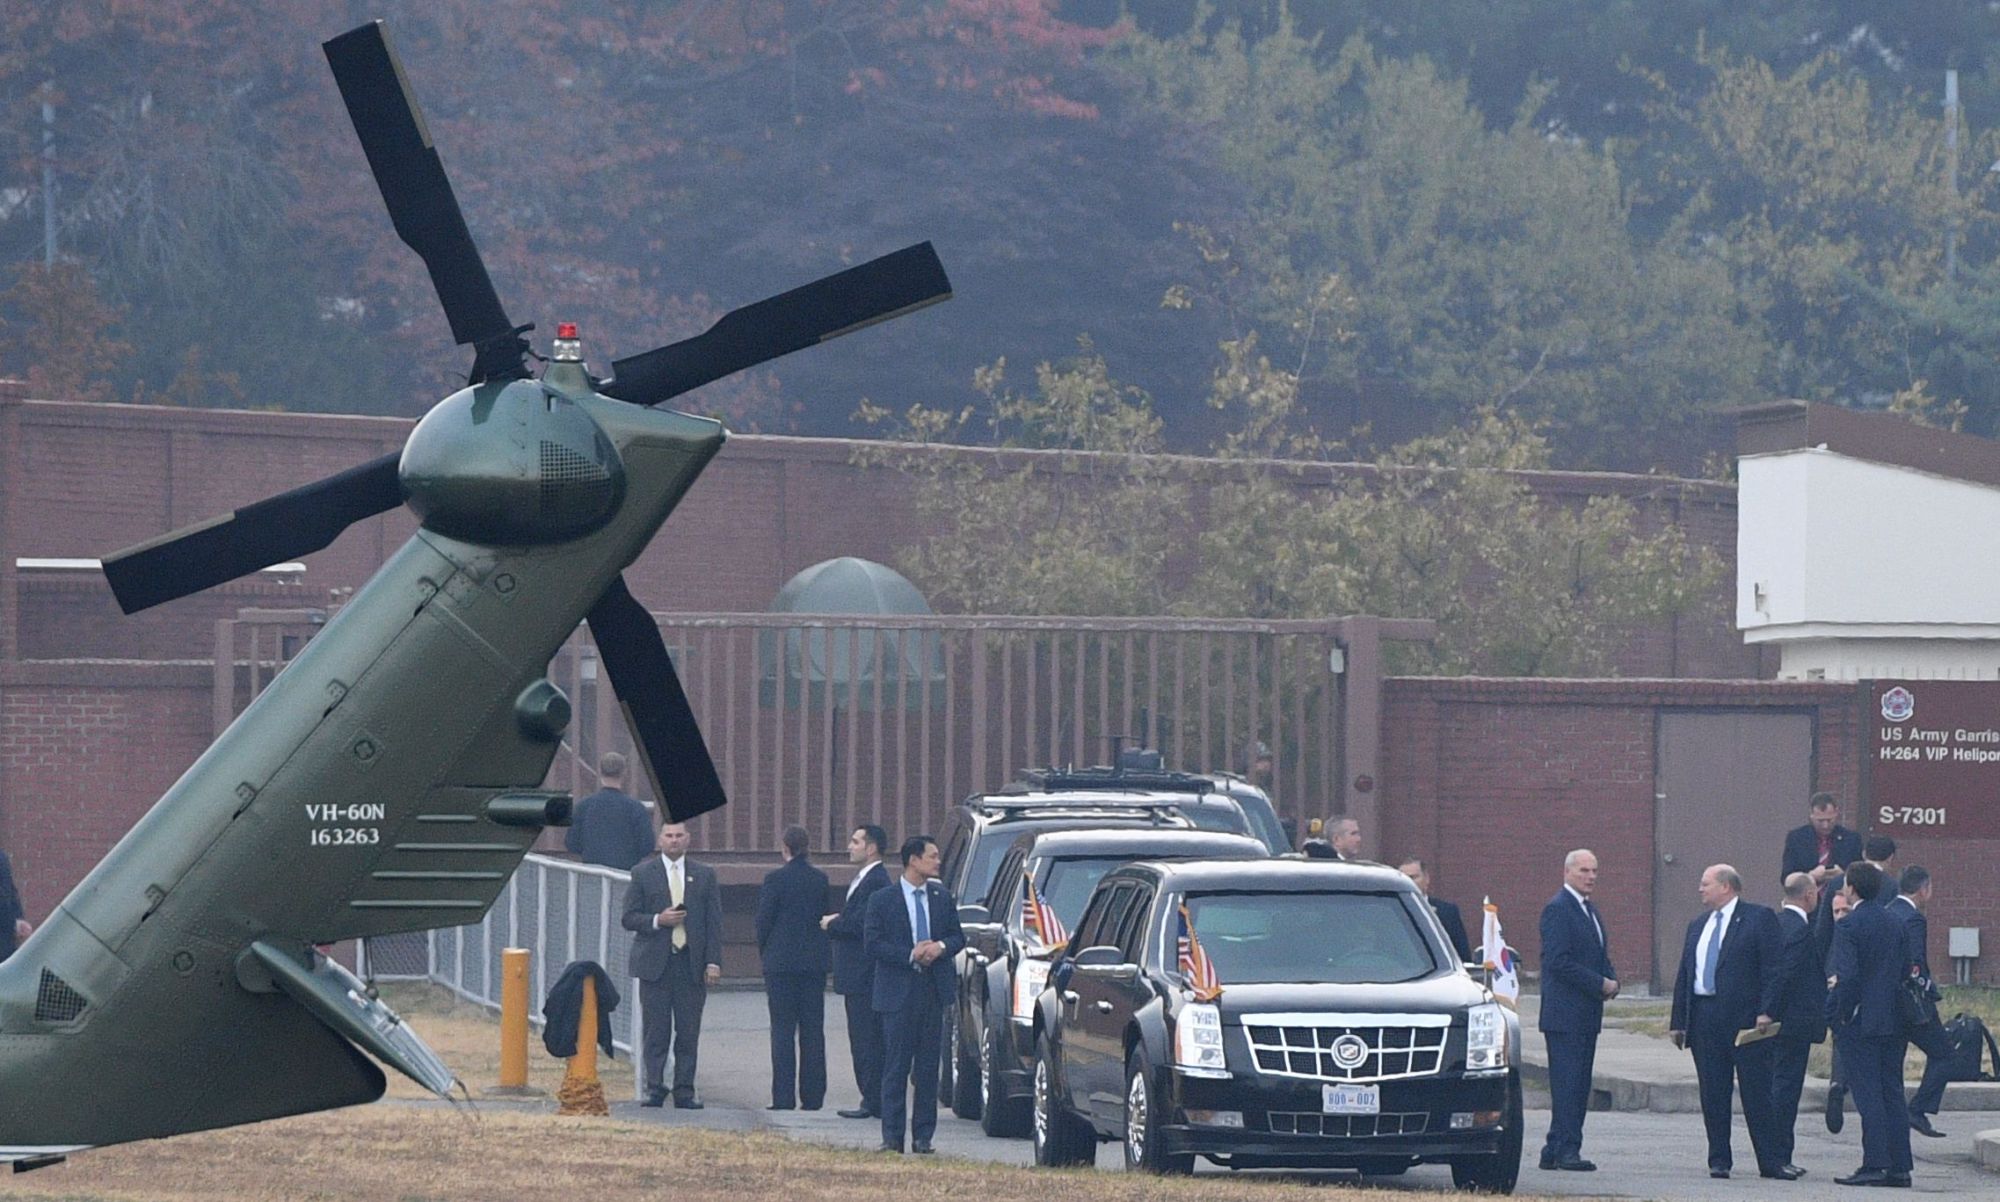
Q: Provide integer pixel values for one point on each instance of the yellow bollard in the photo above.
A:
(514, 1018)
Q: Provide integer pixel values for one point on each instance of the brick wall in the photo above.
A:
(1491, 781)
(81, 480)
(85, 750)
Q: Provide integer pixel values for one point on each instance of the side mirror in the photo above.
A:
(972, 912)
(1104, 956)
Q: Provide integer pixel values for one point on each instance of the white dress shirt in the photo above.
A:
(1710, 931)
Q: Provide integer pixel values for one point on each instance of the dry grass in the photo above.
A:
(467, 1036)
(426, 1155)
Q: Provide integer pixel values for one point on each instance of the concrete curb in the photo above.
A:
(1986, 1150)
(1640, 1073)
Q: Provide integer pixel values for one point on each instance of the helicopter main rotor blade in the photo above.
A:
(419, 196)
(895, 284)
(273, 530)
(656, 707)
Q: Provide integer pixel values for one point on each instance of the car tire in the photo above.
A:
(1000, 1116)
(963, 1090)
(1497, 1173)
(1145, 1149)
(1061, 1139)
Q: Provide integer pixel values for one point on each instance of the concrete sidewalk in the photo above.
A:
(1643, 1151)
(1643, 1072)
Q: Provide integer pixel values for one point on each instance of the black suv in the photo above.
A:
(979, 830)
(1346, 1035)
(1006, 972)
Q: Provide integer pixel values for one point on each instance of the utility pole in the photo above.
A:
(48, 173)
(1951, 172)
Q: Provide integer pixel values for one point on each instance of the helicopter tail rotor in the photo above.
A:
(656, 706)
(419, 197)
(897, 283)
(287, 526)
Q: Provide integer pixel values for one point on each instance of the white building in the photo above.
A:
(1867, 547)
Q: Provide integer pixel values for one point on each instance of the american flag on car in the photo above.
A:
(1195, 964)
(1040, 917)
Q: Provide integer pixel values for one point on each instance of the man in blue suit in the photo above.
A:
(911, 934)
(792, 945)
(1803, 1011)
(1577, 979)
(1729, 981)
(1869, 961)
(1914, 897)
(854, 972)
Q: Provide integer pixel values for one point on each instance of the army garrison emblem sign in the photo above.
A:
(1934, 769)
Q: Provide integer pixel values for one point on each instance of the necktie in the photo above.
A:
(675, 890)
(923, 916)
(1713, 954)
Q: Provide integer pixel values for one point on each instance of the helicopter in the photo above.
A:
(390, 779)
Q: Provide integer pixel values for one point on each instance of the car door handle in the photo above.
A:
(1069, 997)
(1103, 1007)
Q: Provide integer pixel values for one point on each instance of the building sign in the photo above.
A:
(1934, 758)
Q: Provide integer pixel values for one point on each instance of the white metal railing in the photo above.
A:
(560, 910)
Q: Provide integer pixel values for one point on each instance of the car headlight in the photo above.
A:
(1198, 1041)
(1030, 976)
(1486, 1037)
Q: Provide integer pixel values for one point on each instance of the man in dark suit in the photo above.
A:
(1577, 979)
(1802, 1013)
(1915, 897)
(911, 933)
(1731, 972)
(1878, 850)
(1448, 916)
(854, 972)
(674, 910)
(792, 945)
(610, 827)
(13, 927)
(1822, 846)
(1868, 964)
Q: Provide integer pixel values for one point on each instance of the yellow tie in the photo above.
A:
(674, 894)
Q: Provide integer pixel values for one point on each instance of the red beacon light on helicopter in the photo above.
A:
(568, 347)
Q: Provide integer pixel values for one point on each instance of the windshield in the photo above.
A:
(1265, 824)
(1069, 884)
(1319, 938)
(984, 862)
(1215, 815)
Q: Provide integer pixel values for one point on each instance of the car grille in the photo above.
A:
(1348, 1126)
(1347, 1047)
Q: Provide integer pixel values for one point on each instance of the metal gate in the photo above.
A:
(833, 720)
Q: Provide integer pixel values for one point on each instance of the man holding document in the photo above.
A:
(1728, 988)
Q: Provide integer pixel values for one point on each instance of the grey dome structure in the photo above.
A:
(852, 667)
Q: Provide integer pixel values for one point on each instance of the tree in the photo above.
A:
(1830, 206)
(1487, 268)
(1086, 526)
(1445, 527)
(59, 335)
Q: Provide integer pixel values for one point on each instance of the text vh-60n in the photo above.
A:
(1346, 1035)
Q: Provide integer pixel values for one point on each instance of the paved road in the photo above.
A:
(1642, 1155)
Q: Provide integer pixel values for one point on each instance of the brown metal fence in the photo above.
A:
(830, 721)
(833, 720)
